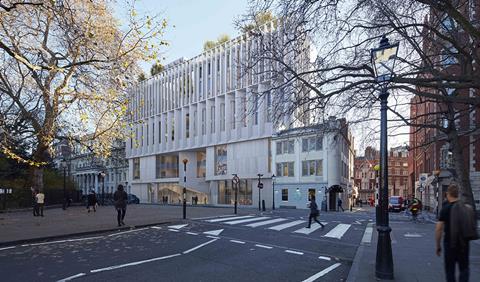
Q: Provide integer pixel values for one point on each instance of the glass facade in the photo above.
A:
(221, 160)
(166, 166)
(226, 194)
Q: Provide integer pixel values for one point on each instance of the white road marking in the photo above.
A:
(228, 218)
(213, 232)
(208, 217)
(174, 230)
(72, 277)
(321, 273)
(156, 227)
(293, 252)
(287, 225)
(177, 226)
(132, 263)
(192, 233)
(338, 231)
(245, 220)
(263, 246)
(213, 237)
(271, 221)
(124, 232)
(367, 236)
(357, 222)
(324, 258)
(413, 235)
(199, 246)
(312, 228)
(238, 242)
(7, 248)
(62, 241)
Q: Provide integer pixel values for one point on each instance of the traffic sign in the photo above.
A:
(235, 180)
(260, 185)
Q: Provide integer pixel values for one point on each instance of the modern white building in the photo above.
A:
(316, 160)
(212, 113)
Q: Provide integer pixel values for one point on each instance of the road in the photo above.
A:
(256, 247)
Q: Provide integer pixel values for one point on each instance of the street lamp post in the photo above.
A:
(383, 61)
(63, 163)
(273, 191)
(185, 161)
(102, 175)
(260, 186)
(235, 182)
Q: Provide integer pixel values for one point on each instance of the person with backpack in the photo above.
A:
(120, 197)
(92, 201)
(457, 223)
(314, 212)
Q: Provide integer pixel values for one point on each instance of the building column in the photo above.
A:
(96, 182)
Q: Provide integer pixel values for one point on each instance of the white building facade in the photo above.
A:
(314, 161)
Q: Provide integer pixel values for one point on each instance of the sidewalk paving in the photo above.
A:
(414, 258)
(23, 226)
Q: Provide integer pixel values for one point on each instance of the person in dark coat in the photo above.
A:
(120, 197)
(91, 201)
(314, 213)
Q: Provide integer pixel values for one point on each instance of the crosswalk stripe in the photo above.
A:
(228, 218)
(338, 231)
(312, 228)
(245, 220)
(266, 222)
(287, 225)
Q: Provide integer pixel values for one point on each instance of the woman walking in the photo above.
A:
(120, 197)
(314, 213)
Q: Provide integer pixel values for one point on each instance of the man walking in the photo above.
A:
(455, 247)
(314, 212)
(40, 200)
(120, 197)
(92, 201)
(339, 203)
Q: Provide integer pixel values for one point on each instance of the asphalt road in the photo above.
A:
(256, 247)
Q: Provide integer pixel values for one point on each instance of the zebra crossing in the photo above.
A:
(296, 226)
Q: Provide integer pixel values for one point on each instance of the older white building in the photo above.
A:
(316, 160)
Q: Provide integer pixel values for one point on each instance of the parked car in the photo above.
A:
(132, 199)
(395, 204)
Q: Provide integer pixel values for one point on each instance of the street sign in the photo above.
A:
(421, 188)
(235, 180)
(260, 185)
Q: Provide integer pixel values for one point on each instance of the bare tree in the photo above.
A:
(64, 70)
(437, 63)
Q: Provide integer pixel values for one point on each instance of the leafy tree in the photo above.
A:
(141, 77)
(156, 68)
(209, 44)
(65, 67)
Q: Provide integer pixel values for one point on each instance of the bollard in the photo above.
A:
(263, 205)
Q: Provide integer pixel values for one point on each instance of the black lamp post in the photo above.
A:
(102, 175)
(273, 191)
(383, 61)
(260, 186)
(63, 164)
(185, 161)
(235, 182)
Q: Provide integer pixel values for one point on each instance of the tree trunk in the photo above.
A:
(37, 178)
(460, 169)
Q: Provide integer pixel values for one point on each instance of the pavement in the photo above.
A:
(21, 227)
(413, 249)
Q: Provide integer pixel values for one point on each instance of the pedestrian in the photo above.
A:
(92, 201)
(455, 247)
(314, 212)
(339, 203)
(40, 200)
(120, 197)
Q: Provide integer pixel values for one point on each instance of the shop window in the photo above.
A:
(284, 194)
(136, 168)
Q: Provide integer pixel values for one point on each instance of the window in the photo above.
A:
(312, 144)
(226, 193)
(153, 133)
(279, 148)
(286, 147)
(222, 117)
(166, 166)
(232, 111)
(284, 194)
(255, 109)
(195, 123)
(212, 119)
(269, 106)
(187, 126)
(285, 169)
(204, 116)
(304, 145)
(221, 160)
(136, 168)
(313, 168)
(201, 164)
(173, 129)
(147, 134)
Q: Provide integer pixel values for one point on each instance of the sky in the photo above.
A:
(192, 22)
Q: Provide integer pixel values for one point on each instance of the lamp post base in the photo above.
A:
(384, 261)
